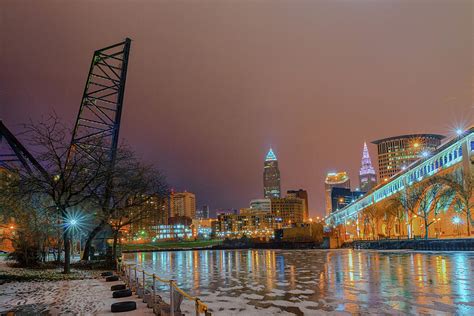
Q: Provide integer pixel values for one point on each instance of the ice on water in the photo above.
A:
(314, 282)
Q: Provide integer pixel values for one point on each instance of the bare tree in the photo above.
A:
(132, 197)
(370, 217)
(435, 198)
(409, 199)
(462, 184)
(72, 182)
(394, 210)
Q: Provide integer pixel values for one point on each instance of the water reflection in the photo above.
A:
(307, 281)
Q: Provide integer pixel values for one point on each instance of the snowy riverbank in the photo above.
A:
(87, 295)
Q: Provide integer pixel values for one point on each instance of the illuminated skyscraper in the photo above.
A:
(335, 180)
(271, 176)
(367, 176)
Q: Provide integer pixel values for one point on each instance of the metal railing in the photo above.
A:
(136, 279)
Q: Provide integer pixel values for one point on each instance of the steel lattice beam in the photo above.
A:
(14, 155)
(98, 121)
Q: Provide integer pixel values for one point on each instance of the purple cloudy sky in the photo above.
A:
(213, 84)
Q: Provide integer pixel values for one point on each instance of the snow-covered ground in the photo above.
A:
(320, 282)
(89, 296)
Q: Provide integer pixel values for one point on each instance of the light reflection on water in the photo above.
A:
(312, 281)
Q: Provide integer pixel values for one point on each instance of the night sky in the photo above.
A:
(213, 84)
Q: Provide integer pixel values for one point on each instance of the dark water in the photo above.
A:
(314, 282)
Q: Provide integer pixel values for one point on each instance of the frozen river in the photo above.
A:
(315, 282)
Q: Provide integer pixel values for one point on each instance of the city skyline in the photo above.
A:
(281, 84)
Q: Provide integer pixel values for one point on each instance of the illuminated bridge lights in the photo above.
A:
(448, 154)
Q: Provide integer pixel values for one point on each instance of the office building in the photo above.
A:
(261, 205)
(182, 204)
(289, 209)
(203, 212)
(271, 176)
(252, 224)
(301, 194)
(397, 153)
(335, 180)
(341, 197)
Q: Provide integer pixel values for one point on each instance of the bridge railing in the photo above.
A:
(146, 286)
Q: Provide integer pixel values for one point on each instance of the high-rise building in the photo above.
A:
(341, 197)
(289, 209)
(203, 212)
(301, 194)
(335, 180)
(396, 153)
(183, 204)
(367, 175)
(271, 176)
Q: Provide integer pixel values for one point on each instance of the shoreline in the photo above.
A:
(461, 244)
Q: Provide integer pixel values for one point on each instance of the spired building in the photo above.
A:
(396, 153)
(367, 176)
(271, 176)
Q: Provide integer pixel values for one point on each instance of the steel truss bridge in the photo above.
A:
(455, 154)
(98, 120)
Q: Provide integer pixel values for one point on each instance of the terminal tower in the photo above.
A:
(367, 175)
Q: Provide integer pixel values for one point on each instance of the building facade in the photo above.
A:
(335, 180)
(261, 204)
(290, 210)
(397, 153)
(183, 204)
(301, 194)
(367, 175)
(341, 197)
(203, 212)
(271, 176)
(251, 224)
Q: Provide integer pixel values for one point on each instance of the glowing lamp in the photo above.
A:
(456, 220)
(459, 132)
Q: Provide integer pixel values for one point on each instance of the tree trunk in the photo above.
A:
(114, 246)
(427, 228)
(468, 222)
(67, 252)
(90, 239)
